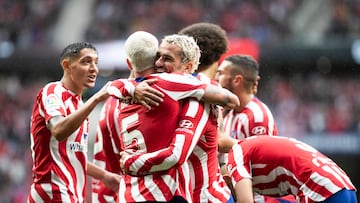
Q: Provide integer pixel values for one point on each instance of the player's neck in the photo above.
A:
(244, 98)
(144, 72)
(70, 85)
(210, 70)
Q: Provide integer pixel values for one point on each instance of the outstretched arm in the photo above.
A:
(221, 96)
(149, 96)
(62, 127)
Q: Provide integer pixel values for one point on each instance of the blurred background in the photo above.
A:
(308, 51)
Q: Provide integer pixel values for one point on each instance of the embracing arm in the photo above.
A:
(62, 127)
(184, 140)
(139, 91)
(221, 96)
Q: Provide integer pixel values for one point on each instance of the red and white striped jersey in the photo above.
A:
(144, 131)
(196, 133)
(301, 170)
(107, 149)
(254, 119)
(209, 185)
(59, 167)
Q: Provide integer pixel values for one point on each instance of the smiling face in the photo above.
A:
(80, 72)
(169, 58)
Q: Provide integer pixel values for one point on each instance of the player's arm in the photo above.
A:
(62, 127)
(192, 87)
(243, 191)
(186, 136)
(185, 87)
(140, 91)
(221, 96)
(111, 180)
(225, 143)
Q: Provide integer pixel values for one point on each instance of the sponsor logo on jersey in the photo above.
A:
(186, 124)
(259, 130)
(77, 147)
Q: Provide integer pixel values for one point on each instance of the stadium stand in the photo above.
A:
(309, 104)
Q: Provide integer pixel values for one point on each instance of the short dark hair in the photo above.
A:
(244, 65)
(211, 39)
(72, 50)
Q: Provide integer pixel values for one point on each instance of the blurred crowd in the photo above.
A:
(268, 22)
(28, 23)
(310, 105)
(302, 104)
(31, 23)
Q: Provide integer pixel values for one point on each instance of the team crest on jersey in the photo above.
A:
(259, 130)
(52, 102)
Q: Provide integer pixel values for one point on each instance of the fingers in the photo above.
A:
(153, 99)
(145, 104)
(147, 95)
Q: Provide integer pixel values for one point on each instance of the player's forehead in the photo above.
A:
(225, 65)
(88, 53)
(169, 50)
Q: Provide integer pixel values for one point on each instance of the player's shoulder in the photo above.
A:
(52, 84)
(53, 88)
(177, 78)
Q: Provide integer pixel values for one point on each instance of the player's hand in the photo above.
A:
(103, 94)
(112, 181)
(123, 156)
(147, 95)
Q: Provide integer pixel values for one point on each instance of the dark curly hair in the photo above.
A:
(211, 39)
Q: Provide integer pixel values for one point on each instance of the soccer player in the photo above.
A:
(277, 166)
(59, 131)
(239, 74)
(107, 146)
(208, 181)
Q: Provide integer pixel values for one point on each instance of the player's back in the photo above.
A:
(144, 130)
(302, 170)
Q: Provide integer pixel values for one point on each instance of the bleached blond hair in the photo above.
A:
(141, 48)
(189, 47)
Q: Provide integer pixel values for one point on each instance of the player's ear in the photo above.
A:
(238, 79)
(189, 68)
(65, 64)
(129, 64)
